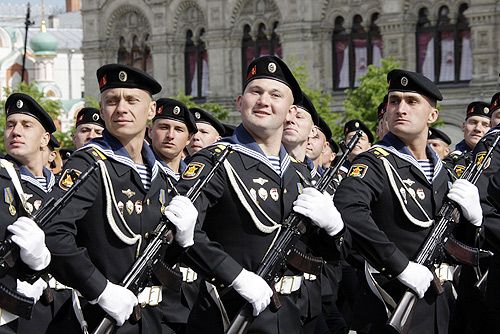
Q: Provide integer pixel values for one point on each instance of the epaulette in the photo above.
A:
(96, 153)
(216, 148)
(292, 159)
(378, 152)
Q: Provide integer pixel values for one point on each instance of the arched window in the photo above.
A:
(444, 51)
(196, 65)
(354, 51)
(260, 46)
(138, 54)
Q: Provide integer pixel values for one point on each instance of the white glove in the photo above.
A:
(417, 277)
(34, 290)
(31, 241)
(320, 209)
(466, 195)
(254, 289)
(118, 302)
(182, 213)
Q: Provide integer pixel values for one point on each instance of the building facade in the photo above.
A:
(201, 47)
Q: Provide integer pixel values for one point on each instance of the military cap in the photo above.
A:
(438, 134)
(382, 107)
(228, 129)
(495, 103)
(355, 125)
(272, 67)
(89, 116)
(124, 76)
(19, 103)
(324, 128)
(333, 145)
(308, 106)
(202, 116)
(65, 153)
(53, 142)
(177, 111)
(478, 108)
(407, 81)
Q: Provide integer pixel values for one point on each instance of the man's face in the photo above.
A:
(206, 135)
(168, 138)
(361, 146)
(24, 138)
(315, 144)
(474, 129)
(85, 133)
(495, 118)
(440, 147)
(409, 114)
(126, 111)
(327, 156)
(298, 127)
(264, 106)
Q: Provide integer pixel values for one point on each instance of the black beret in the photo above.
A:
(382, 107)
(355, 125)
(272, 67)
(228, 129)
(495, 102)
(308, 106)
(124, 76)
(438, 134)
(65, 153)
(478, 108)
(53, 142)
(333, 145)
(89, 115)
(177, 111)
(324, 128)
(202, 116)
(407, 81)
(19, 103)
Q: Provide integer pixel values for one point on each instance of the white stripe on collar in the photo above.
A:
(35, 182)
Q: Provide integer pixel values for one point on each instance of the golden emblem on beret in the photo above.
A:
(122, 76)
(271, 67)
(95, 117)
(177, 110)
(404, 81)
(19, 104)
(197, 115)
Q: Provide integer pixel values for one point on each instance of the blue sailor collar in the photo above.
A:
(113, 149)
(166, 168)
(243, 142)
(393, 144)
(463, 147)
(27, 176)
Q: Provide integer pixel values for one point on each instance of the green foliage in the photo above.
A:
(91, 102)
(219, 111)
(64, 139)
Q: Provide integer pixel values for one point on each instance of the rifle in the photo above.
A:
(432, 250)
(151, 259)
(275, 261)
(13, 301)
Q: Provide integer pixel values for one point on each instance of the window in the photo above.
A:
(444, 51)
(139, 55)
(354, 51)
(196, 65)
(260, 46)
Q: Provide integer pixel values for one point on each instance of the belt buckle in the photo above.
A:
(285, 285)
(151, 295)
(309, 277)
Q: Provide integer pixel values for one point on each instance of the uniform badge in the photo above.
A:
(176, 110)
(29, 208)
(19, 104)
(403, 193)
(68, 178)
(459, 169)
(421, 193)
(9, 199)
(408, 182)
(260, 181)
(162, 198)
(129, 206)
(271, 67)
(262, 193)
(197, 115)
(193, 170)
(480, 157)
(358, 170)
(274, 193)
(122, 76)
(380, 152)
(300, 187)
(138, 207)
(147, 201)
(411, 192)
(121, 206)
(37, 204)
(253, 194)
(129, 193)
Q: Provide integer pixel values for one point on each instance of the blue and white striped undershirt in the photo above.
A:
(145, 173)
(275, 161)
(42, 181)
(428, 168)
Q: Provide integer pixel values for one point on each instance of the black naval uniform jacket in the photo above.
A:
(383, 233)
(86, 251)
(228, 240)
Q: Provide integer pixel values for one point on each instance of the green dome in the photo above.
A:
(43, 43)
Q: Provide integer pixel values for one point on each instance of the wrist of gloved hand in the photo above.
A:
(466, 195)
(118, 302)
(417, 277)
(254, 289)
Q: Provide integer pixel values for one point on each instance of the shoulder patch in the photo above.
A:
(379, 152)
(68, 178)
(459, 169)
(358, 170)
(193, 170)
(480, 157)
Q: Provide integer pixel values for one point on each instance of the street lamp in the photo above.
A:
(27, 24)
